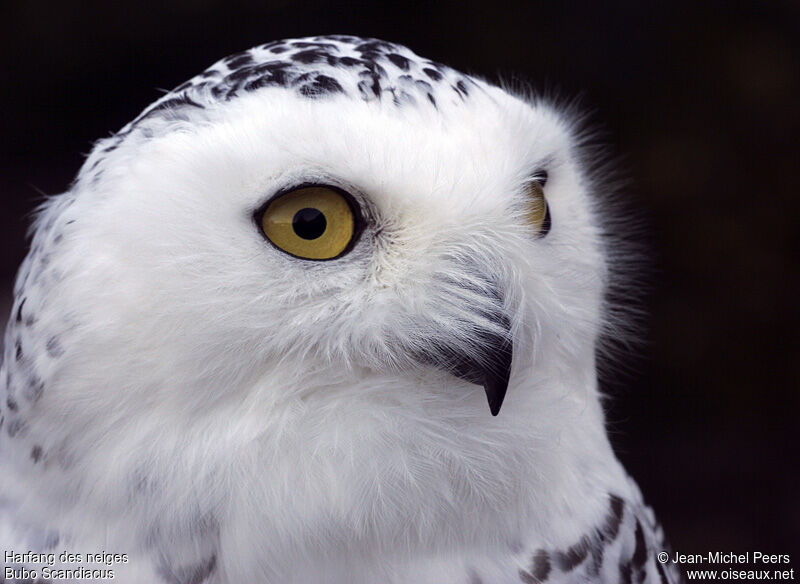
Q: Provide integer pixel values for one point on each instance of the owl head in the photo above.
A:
(316, 244)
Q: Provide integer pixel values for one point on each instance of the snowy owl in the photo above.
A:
(326, 313)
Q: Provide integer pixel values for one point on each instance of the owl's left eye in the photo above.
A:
(312, 223)
(537, 212)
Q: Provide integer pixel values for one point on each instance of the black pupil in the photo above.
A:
(309, 223)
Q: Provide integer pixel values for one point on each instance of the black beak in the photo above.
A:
(492, 369)
(487, 363)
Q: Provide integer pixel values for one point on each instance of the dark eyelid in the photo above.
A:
(540, 176)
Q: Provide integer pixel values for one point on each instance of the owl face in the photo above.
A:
(281, 298)
(436, 243)
(335, 235)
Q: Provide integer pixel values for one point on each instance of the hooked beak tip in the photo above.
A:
(495, 382)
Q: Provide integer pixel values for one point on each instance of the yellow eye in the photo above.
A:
(313, 223)
(536, 212)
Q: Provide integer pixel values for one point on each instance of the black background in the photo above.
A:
(699, 102)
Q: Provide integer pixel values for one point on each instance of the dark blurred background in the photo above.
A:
(698, 100)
